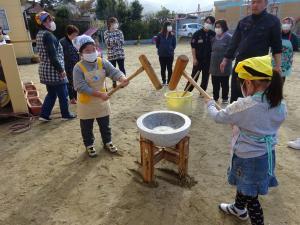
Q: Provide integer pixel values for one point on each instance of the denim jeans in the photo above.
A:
(87, 130)
(54, 91)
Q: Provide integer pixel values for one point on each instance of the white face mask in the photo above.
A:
(52, 26)
(91, 57)
(115, 26)
(207, 26)
(169, 28)
(286, 26)
(218, 31)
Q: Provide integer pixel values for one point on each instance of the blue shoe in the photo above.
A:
(70, 117)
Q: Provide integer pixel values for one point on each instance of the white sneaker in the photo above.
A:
(231, 209)
(91, 151)
(44, 119)
(294, 144)
(110, 147)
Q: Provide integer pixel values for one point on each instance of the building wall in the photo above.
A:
(17, 27)
(231, 15)
(232, 12)
(289, 9)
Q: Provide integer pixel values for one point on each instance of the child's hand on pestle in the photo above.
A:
(123, 81)
(103, 96)
(206, 100)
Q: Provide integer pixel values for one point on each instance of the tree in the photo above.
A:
(122, 11)
(163, 14)
(62, 19)
(105, 9)
(136, 10)
(85, 6)
(49, 4)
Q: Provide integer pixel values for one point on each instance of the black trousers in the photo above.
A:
(218, 82)
(235, 86)
(86, 127)
(121, 66)
(166, 63)
(204, 67)
(71, 90)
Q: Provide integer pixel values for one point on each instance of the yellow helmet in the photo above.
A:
(255, 68)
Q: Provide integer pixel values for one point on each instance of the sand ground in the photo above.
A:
(47, 179)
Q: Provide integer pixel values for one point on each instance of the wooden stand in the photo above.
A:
(151, 155)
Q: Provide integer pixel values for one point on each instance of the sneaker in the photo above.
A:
(294, 144)
(231, 209)
(225, 101)
(110, 147)
(44, 119)
(70, 117)
(91, 151)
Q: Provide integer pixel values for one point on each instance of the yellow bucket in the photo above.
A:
(179, 104)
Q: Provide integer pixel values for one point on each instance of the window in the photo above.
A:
(184, 26)
(3, 20)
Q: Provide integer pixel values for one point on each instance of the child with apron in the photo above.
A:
(289, 45)
(255, 120)
(89, 81)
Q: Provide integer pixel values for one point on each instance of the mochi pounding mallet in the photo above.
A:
(146, 66)
(179, 70)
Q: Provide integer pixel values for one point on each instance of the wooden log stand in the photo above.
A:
(151, 155)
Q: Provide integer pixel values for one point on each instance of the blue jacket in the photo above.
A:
(165, 46)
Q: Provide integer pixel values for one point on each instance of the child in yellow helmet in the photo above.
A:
(256, 119)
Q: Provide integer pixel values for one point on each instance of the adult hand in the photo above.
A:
(195, 62)
(278, 69)
(63, 74)
(223, 65)
(123, 81)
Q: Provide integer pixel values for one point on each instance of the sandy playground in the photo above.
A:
(47, 179)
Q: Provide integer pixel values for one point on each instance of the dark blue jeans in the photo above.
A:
(87, 130)
(54, 91)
